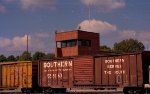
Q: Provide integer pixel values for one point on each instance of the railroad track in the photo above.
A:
(85, 92)
(95, 92)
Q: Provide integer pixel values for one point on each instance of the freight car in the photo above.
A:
(19, 75)
(79, 64)
(111, 71)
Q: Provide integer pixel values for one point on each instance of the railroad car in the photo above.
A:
(78, 64)
(19, 75)
(128, 72)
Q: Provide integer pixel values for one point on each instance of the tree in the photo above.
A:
(2, 58)
(49, 56)
(25, 56)
(17, 58)
(105, 48)
(129, 45)
(11, 58)
(38, 55)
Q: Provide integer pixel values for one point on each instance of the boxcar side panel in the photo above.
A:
(112, 76)
(105, 71)
(41, 77)
(98, 71)
(125, 68)
(29, 73)
(26, 75)
(133, 70)
(17, 74)
(122, 70)
(83, 71)
(8, 75)
(139, 70)
(12, 76)
(56, 73)
(4, 76)
(20, 75)
(0, 75)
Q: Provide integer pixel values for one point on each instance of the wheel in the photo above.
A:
(125, 90)
(22, 90)
(28, 90)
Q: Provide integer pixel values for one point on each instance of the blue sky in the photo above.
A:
(115, 20)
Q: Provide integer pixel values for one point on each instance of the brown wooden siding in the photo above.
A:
(56, 73)
(83, 70)
(122, 70)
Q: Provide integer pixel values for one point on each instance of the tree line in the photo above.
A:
(124, 46)
(26, 56)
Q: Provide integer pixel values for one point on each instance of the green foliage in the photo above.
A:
(11, 58)
(38, 55)
(2, 58)
(26, 56)
(17, 58)
(105, 48)
(129, 45)
(49, 56)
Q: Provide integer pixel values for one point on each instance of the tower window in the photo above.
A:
(84, 43)
(63, 44)
(71, 43)
(68, 43)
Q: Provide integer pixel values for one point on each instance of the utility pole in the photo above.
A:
(89, 6)
(27, 48)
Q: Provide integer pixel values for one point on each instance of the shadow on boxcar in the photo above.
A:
(53, 90)
(136, 90)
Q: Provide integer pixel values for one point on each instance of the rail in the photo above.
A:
(7, 88)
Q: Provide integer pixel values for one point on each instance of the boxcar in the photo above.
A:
(111, 71)
(19, 75)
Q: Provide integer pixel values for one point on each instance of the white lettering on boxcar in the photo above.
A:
(120, 72)
(57, 64)
(108, 61)
(107, 72)
(54, 76)
(114, 66)
(115, 72)
(55, 69)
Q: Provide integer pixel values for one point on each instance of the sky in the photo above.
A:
(115, 20)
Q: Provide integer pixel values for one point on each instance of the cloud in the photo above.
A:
(33, 4)
(37, 42)
(42, 35)
(16, 43)
(42, 41)
(4, 42)
(110, 33)
(97, 26)
(105, 5)
(107, 30)
(2, 9)
(19, 42)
